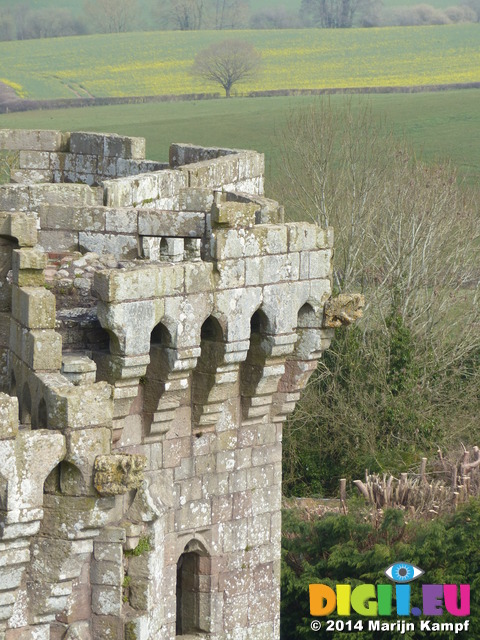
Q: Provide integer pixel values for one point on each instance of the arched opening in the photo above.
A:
(251, 370)
(193, 593)
(26, 406)
(307, 317)
(164, 254)
(212, 352)
(7, 245)
(42, 415)
(13, 385)
(103, 344)
(101, 340)
(70, 480)
(3, 493)
(306, 321)
(52, 481)
(161, 362)
(66, 479)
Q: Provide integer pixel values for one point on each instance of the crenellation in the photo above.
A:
(158, 323)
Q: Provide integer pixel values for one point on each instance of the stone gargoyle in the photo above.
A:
(118, 473)
(343, 310)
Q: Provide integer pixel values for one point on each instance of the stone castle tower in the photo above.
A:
(157, 324)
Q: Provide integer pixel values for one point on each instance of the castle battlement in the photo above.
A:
(158, 322)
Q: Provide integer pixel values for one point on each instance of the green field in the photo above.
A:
(153, 63)
(440, 126)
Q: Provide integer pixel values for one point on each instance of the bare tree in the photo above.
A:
(230, 14)
(184, 15)
(331, 14)
(406, 379)
(405, 232)
(227, 63)
(111, 16)
(52, 23)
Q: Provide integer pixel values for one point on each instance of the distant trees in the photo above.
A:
(341, 14)
(425, 14)
(230, 14)
(277, 17)
(21, 22)
(29, 19)
(331, 14)
(227, 63)
(184, 15)
(191, 15)
(111, 16)
(7, 25)
(52, 23)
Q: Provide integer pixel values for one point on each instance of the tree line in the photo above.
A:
(405, 381)
(24, 21)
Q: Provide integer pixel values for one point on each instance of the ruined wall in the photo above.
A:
(141, 413)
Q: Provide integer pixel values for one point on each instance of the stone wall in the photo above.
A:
(141, 413)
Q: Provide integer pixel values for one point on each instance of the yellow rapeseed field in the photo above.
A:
(158, 62)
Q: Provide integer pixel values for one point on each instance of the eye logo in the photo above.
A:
(402, 572)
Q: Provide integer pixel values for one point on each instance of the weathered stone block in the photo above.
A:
(272, 269)
(72, 218)
(107, 600)
(119, 245)
(28, 260)
(107, 552)
(106, 573)
(139, 283)
(81, 407)
(121, 220)
(34, 160)
(192, 199)
(21, 226)
(42, 350)
(33, 307)
(8, 416)
(250, 165)
(170, 223)
(31, 176)
(118, 193)
(58, 240)
(10, 577)
(303, 236)
(76, 195)
(64, 563)
(41, 140)
(14, 197)
(233, 214)
(124, 147)
(25, 463)
(78, 368)
(106, 144)
(107, 627)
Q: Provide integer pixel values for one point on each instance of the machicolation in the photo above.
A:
(157, 324)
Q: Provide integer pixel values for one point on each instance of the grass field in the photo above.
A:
(158, 62)
(440, 126)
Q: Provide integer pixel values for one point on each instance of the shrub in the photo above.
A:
(356, 549)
